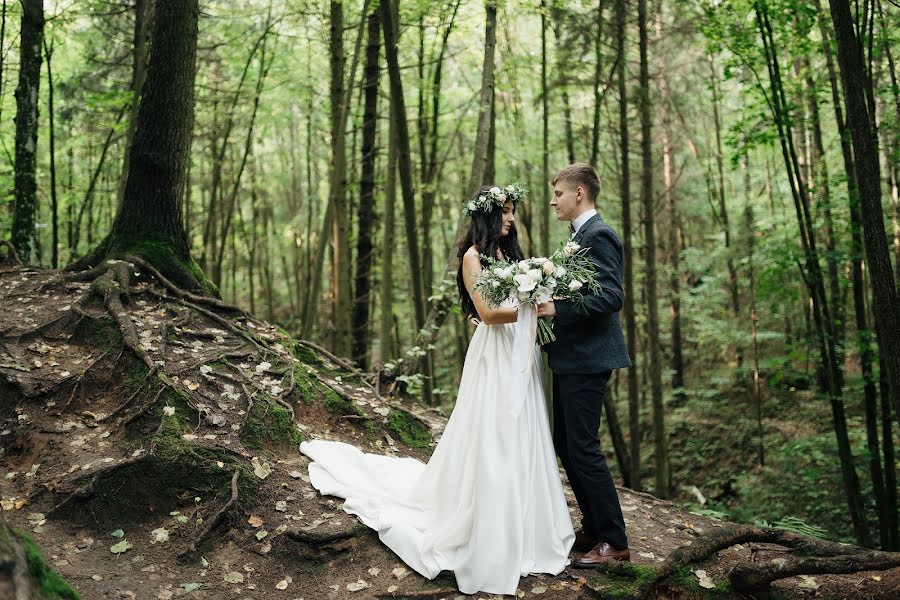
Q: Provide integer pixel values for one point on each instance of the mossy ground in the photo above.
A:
(47, 582)
(269, 426)
(408, 429)
(621, 581)
(175, 471)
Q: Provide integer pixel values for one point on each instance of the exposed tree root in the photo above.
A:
(12, 257)
(807, 556)
(757, 576)
(316, 540)
(214, 521)
(208, 313)
(110, 286)
(122, 406)
(195, 298)
(86, 491)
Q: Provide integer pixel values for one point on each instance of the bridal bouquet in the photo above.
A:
(538, 280)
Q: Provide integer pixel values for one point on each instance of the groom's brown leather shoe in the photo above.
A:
(584, 541)
(601, 553)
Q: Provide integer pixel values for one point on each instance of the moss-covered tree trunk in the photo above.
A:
(150, 222)
(32, 35)
(23, 573)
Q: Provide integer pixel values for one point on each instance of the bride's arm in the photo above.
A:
(487, 314)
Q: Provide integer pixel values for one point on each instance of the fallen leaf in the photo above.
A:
(255, 521)
(282, 585)
(808, 583)
(118, 533)
(281, 506)
(159, 535)
(392, 589)
(261, 534)
(234, 577)
(261, 470)
(296, 474)
(190, 587)
(705, 581)
(538, 589)
(374, 571)
(168, 410)
(400, 572)
(120, 547)
(359, 585)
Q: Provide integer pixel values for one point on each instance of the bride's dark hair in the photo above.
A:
(484, 234)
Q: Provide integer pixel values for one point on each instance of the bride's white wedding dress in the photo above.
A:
(489, 505)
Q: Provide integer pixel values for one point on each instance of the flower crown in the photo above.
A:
(486, 201)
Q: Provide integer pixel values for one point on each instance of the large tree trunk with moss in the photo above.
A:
(32, 35)
(23, 573)
(150, 223)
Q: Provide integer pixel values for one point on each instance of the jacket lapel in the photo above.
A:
(583, 230)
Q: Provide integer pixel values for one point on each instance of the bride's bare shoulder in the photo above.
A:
(471, 254)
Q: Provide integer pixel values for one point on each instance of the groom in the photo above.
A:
(589, 345)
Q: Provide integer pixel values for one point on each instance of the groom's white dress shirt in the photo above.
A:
(581, 219)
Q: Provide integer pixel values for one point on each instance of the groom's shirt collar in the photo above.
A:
(583, 218)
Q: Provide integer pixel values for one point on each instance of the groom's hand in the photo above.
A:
(548, 309)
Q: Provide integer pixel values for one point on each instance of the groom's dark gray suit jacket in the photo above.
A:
(589, 337)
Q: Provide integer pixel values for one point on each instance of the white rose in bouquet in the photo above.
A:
(524, 266)
(525, 282)
(559, 272)
(548, 268)
(495, 190)
(502, 197)
(575, 285)
(536, 275)
(542, 295)
(571, 248)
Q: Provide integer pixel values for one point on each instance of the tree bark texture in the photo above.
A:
(363, 279)
(27, 93)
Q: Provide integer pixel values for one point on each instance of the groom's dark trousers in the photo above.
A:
(589, 346)
(577, 403)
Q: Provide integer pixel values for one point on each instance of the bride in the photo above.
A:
(489, 505)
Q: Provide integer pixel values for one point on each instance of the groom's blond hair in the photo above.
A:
(581, 174)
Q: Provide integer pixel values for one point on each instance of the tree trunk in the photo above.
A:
(661, 455)
(365, 219)
(54, 204)
(634, 431)
(886, 302)
(151, 220)
(723, 207)
(864, 335)
(812, 274)
(439, 310)
(143, 9)
(338, 187)
(598, 74)
(386, 346)
(674, 229)
(404, 161)
(31, 36)
(751, 276)
(545, 138)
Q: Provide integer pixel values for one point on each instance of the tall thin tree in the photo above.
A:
(31, 34)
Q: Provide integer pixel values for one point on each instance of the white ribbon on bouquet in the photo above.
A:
(525, 333)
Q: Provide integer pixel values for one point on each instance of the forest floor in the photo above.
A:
(115, 469)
